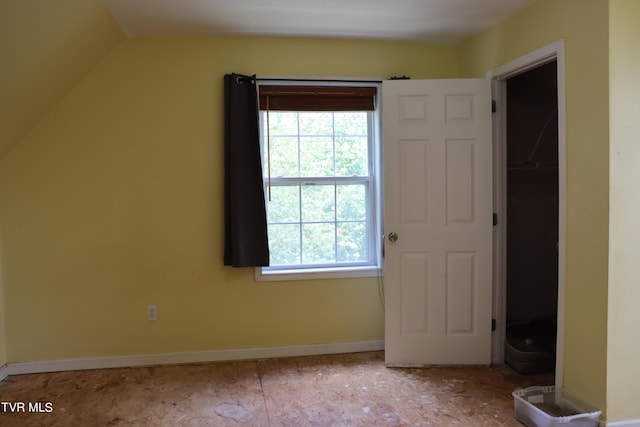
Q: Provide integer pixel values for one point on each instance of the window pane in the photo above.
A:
(283, 156)
(284, 244)
(281, 123)
(318, 203)
(351, 202)
(284, 205)
(316, 123)
(318, 243)
(352, 123)
(352, 241)
(352, 156)
(316, 156)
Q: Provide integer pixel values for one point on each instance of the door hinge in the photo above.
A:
(494, 106)
(495, 219)
(493, 325)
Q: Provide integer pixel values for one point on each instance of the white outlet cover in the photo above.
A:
(152, 312)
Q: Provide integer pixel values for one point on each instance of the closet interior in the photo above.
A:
(532, 220)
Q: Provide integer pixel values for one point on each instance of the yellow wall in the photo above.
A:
(3, 341)
(45, 48)
(623, 370)
(114, 201)
(583, 24)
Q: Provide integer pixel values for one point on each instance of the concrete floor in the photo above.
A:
(338, 390)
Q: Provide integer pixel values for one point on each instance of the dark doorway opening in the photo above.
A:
(532, 220)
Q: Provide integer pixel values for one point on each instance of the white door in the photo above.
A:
(438, 221)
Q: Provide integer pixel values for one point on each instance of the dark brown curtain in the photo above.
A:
(245, 217)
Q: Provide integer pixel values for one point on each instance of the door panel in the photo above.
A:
(438, 200)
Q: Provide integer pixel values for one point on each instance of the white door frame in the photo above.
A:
(499, 76)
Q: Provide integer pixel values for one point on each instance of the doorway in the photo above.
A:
(532, 220)
(553, 52)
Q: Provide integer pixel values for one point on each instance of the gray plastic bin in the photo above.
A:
(535, 407)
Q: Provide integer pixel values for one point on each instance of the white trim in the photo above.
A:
(622, 423)
(312, 274)
(4, 372)
(191, 357)
(548, 53)
(527, 62)
(314, 80)
(499, 234)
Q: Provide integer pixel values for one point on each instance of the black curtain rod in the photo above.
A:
(267, 79)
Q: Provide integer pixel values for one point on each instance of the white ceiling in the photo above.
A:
(431, 21)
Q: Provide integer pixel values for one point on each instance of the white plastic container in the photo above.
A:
(535, 407)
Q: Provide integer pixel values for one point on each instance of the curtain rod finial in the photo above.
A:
(241, 79)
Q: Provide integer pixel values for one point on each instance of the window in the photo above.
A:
(321, 169)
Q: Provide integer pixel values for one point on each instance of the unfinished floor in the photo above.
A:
(340, 390)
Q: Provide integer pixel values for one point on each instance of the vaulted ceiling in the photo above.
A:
(431, 21)
(47, 47)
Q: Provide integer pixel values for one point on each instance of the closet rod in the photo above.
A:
(531, 165)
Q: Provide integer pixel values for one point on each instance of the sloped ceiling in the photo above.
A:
(46, 47)
(431, 21)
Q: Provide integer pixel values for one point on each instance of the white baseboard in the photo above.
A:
(190, 357)
(623, 423)
(4, 372)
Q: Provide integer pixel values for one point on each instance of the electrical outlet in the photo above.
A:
(152, 312)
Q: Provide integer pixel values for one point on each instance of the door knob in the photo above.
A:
(393, 237)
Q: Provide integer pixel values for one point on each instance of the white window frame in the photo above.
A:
(328, 271)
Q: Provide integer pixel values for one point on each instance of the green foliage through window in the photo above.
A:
(318, 166)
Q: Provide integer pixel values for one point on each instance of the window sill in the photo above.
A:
(315, 274)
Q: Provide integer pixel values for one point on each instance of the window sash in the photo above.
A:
(368, 220)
